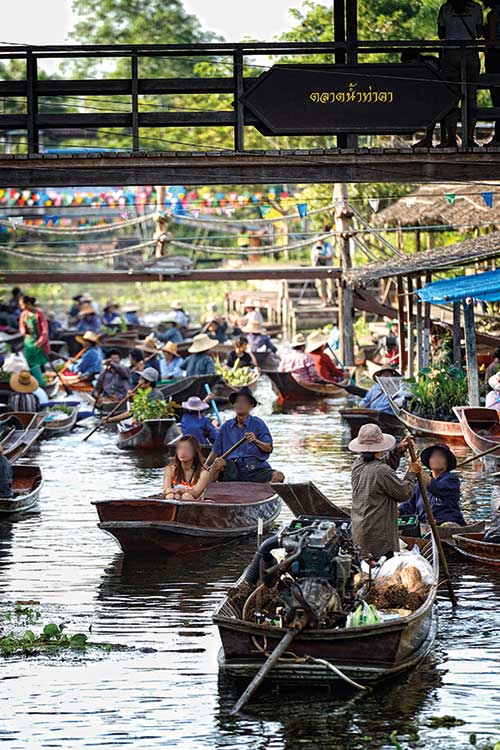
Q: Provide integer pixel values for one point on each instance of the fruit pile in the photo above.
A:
(235, 376)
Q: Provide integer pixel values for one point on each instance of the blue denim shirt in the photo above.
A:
(173, 369)
(231, 432)
(91, 362)
(376, 399)
(199, 364)
(172, 334)
(90, 323)
(200, 427)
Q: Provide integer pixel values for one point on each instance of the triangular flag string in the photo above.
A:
(374, 204)
(450, 197)
(302, 209)
(488, 198)
(264, 210)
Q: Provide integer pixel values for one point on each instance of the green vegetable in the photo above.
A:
(144, 408)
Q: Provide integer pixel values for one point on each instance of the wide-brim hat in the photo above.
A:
(86, 309)
(249, 302)
(169, 318)
(131, 307)
(246, 392)
(494, 382)
(170, 347)
(110, 304)
(23, 382)
(88, 336)
(298, 340)
(254, 327)
(149, 374)
(202, 343)
(177, 305)
(371, 439)
(426, 454)
(86, 298)
(316, 341)
(150, 344)
(375, 369)
(195, 404)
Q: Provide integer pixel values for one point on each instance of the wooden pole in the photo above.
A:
(433, 525)
(419, 329)
(409, 327)
(457, 335)
(401, 325)
(427, 326)
(471, 351)
(346, 316)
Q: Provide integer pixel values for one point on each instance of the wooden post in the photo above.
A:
(401, 325)
(409, 327)
(339, 34)
(457, 335)
(419, 329)
(427, 327)
(346, 316)
(471, 351)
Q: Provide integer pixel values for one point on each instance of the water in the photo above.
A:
(164, 689)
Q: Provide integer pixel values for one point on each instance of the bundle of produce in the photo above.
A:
(57, 412)
(235, 376)
(403, 590)
(144, 408)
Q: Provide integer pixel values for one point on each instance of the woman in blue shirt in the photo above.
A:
(88, 319)
(443, 488)
(172, 366)
(193, 422)
(200, 362)
(90, 364)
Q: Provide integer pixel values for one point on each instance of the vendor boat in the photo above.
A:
(60, 417)
(184, 388)
(150, 435)
(223, 390)
(21, 433)
(290, 390)
(434, 429)
(357, 416)
(153, 525)
(473, 547)
(27, 484)
(480, 428)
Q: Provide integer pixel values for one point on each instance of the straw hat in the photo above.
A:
(371, 439)
(86, 309)
(494, 382)
(150, 344)
(149, 374)
(254, 327)
(315, 341)
(202, 343)
(298, 340)
(170, 347)
(88, 336)
(170, 318)
(85, 298)
(177, 305)
(130, 307)
(376, 369)
(450, 456)
(195, 404)
(23, 382)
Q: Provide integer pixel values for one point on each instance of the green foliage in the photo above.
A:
(59, 408)
(437, 390)
(445, 721)
(52, 638)
(144, 408)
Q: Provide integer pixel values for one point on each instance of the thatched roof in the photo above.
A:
(438, 259)
(428, 206)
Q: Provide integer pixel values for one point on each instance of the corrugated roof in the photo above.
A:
(482, 286)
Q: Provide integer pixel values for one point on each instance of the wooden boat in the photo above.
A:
(50, 389)
(27, 429)
(153, 434)
(365, 654)
(434, 429)
(27, 484)
(290, 390)
(66, 422)
(480, 428)
(473, 547)
(153, 525)
(223, 390)
(357, 416)
(183, 389)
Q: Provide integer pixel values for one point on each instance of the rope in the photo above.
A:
(73, 257)
(335, 669)
(248, 251)
(287, 217)
(15, 225)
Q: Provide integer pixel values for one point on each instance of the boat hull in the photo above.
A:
(61, 426)
(19, 442)
(356, 417)
(27, 484)
(185, 388)
(151, 435)
(481, 428)
(473, 547)
(290, 390)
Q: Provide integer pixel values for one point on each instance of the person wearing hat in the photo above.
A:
(211, 313)
(199, 361)
(89, 320)
(258, 339)
(194, 422)
(111, 317)
(248, 463)
(74, 309)
(171, 367)
(216, 330)
(168, 331)
(54, 326)
(148, 378)
(252, 314)
(298, 363)
(90, 363)
(181, 316)
(151, 346)
(34, 327)
(24, 387)
(443, 488)
(493, 396)
(241, 354)
(376, 397)
(377, 489)
(325, 366)
(131, 313)
(114, 380)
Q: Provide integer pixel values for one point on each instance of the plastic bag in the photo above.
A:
(15, 363)
(365, 614)
(405, 559)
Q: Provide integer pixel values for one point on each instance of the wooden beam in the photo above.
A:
(457, 335)
(346, 312)
(403, 359)
(419, 328)
(471, 352)
(409, 327)
(427, 327)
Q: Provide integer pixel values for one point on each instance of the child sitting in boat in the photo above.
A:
(443, 488)
(194, 423)
(185, 478)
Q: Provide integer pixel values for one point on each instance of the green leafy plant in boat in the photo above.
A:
(436, 390)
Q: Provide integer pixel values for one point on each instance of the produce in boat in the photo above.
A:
(235, 376)
(144, 408)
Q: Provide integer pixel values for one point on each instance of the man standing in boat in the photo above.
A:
(248, 463)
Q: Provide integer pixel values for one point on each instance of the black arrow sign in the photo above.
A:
(367, 98)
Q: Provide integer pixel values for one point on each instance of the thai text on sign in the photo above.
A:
(352, 96)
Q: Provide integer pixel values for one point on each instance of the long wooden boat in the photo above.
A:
(153, 434)
(473, 547)
(153, 525)
(27, 429)
(357, 416)
(290, 390)
(27, 484)
(183, 389)
(223, 390)
(50, 389)
(480, 428)
(61, 425)
(434, 429)
(365, 654)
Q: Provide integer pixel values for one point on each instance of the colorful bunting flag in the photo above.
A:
(264, 210)
(302, 209)
(374, 204)
(488, 198)
(450, 197)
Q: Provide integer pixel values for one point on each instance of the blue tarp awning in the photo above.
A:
(482, 286)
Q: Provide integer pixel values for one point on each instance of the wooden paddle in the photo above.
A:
(66, 387)
(98, 395)
(351, 387)
(478, 455)
(433, 525)
(230, 450)
(111, 413)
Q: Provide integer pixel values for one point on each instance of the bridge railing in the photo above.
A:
(25, 100)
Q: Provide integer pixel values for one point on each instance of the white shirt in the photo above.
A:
(460, 26)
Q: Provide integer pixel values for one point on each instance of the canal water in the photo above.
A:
(162, 689)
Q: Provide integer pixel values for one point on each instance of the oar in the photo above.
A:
(478, 455)
(433, 525)
(98, 395)
(230, 450)
(68, 390)
(111, 413)
(214, 406)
